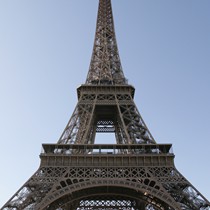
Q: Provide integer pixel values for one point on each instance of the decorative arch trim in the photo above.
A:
(148, 193)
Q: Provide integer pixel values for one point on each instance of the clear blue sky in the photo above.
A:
(45, 51)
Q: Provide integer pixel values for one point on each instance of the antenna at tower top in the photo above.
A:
(105, 66)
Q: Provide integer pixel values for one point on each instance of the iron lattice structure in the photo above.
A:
(135, 173)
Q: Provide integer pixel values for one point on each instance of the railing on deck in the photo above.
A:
(106, 149)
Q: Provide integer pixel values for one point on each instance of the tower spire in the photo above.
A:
(105, 66)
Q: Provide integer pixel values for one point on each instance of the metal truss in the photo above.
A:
(106, 109)
(105, 67)
(136, 173)
(146, 179)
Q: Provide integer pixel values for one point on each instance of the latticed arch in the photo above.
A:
(119, 192)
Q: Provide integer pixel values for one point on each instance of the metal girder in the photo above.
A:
(136, 173)
(106, 110)
(144, 174)
(105, 66)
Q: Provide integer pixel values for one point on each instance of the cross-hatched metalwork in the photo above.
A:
(106, 109)
(136, 173)
(105, 66)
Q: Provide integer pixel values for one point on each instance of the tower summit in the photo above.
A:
(105, 66)
(135, 173)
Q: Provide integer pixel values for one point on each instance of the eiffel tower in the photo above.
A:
(135, 173)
